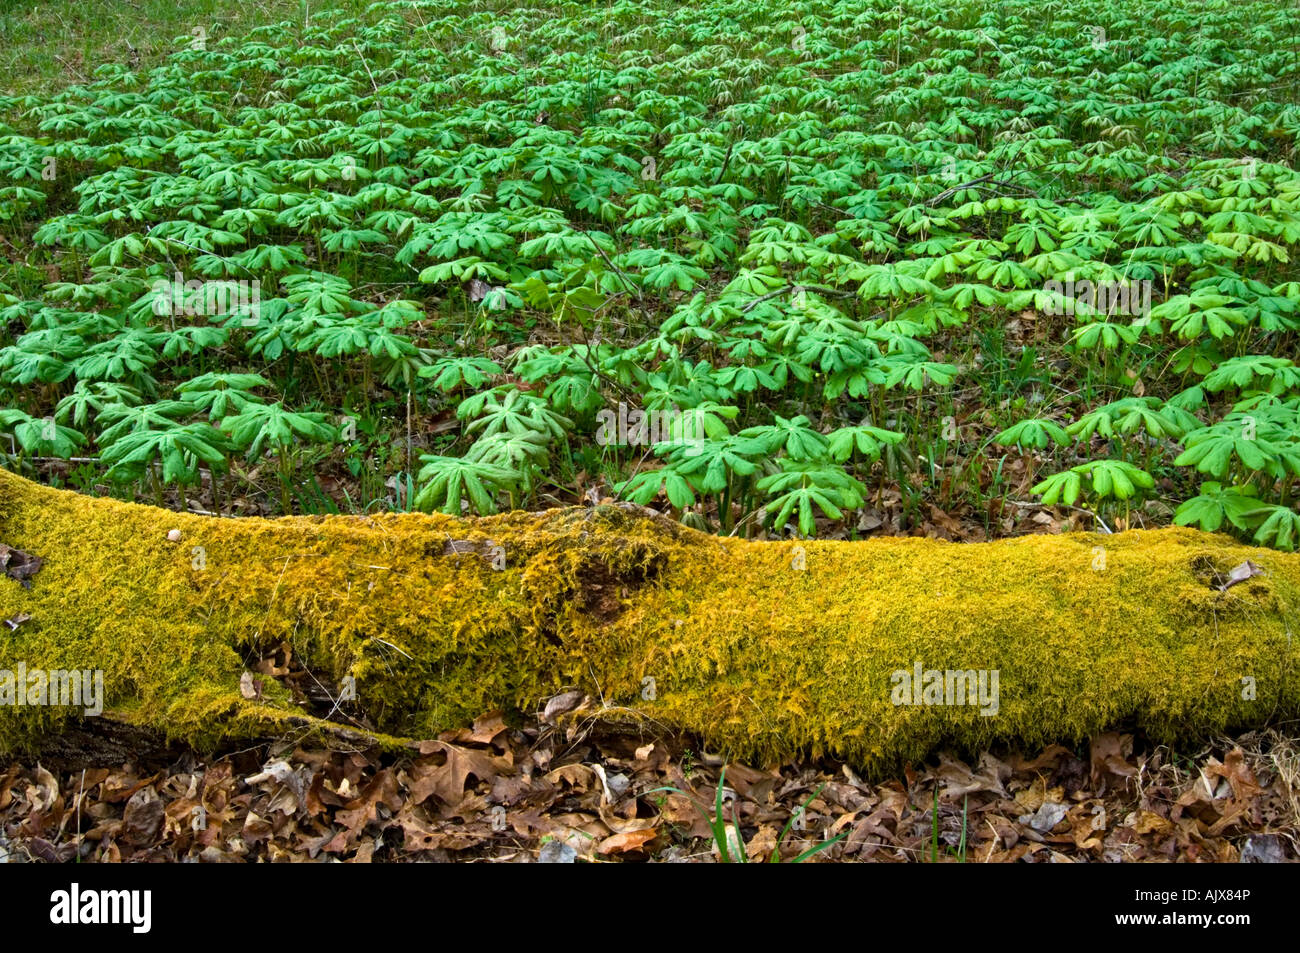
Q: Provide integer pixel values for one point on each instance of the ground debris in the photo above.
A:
(19, 565)
(539, 793)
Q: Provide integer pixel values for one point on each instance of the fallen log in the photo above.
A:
(874, 651)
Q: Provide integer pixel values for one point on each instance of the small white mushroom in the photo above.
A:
(174, 536)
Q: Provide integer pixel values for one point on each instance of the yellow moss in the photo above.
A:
(760, 657)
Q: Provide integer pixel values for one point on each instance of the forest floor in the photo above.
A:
(558, 787)
(572, 792)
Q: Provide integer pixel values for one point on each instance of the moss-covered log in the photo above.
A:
(764, 649)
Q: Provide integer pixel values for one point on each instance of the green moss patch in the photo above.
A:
(764, 649)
